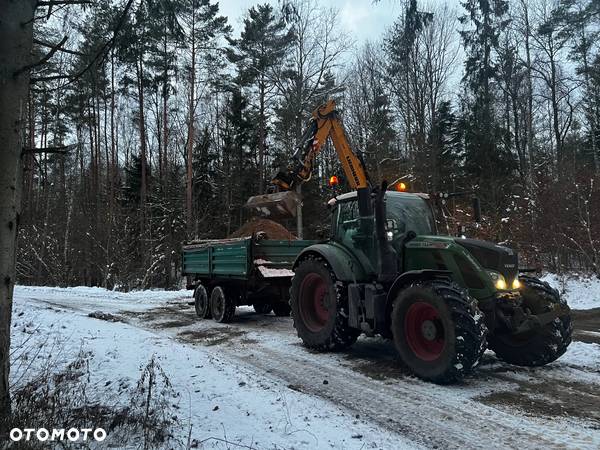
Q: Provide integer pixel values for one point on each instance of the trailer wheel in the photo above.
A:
(319, 305)
(222, 306)
(438, 330)
(201, 303)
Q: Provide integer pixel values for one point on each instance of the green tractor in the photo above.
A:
(386, 271)
(443, 300)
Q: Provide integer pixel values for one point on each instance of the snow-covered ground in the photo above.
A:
(252, 383)
(581, 292)
(219, 398)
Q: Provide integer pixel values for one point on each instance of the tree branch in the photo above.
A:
(51, 45)
(100, 55)
(43, 60)
(59, 149)
(52, 3)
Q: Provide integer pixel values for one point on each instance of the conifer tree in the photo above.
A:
(488, 164)
(261, 47)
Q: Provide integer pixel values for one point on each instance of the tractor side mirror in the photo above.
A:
(476, 209)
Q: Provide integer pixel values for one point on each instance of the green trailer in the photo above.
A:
(227, 273)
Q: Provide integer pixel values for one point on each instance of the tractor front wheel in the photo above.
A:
(438, 330)
(319, 307)
(540, 346)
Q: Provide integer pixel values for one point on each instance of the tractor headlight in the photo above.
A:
(498, 279)
(516, 284)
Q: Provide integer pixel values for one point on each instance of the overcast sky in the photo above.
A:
(363, 19)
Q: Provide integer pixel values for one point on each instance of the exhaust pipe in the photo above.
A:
(388, 260)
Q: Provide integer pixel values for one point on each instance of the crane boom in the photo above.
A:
(324, 124)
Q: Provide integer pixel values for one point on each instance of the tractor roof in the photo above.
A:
(352, 195)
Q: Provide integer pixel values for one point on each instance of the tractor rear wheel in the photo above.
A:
(319, 307)
(438, 330)
(540, 346)
(222, 306)
(201, 303)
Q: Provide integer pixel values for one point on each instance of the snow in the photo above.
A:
(583, 355)
(271, 392)
(260, 261)
(580, 291)
(253, 410)
(106, 299)
(271, 272)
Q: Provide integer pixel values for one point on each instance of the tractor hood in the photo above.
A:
(492, 256)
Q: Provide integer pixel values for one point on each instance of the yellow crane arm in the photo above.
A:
(324, 124)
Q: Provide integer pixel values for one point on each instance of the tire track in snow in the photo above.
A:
(421, 411)
(438, 416)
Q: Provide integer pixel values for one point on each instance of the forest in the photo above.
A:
(151, 122)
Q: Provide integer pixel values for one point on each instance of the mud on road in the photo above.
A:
(587, 325)
(557, 406)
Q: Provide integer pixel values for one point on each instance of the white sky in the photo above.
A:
(362, 19)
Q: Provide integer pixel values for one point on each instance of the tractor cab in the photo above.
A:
(410, 228)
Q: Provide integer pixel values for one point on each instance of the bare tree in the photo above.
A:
(422, 52)
(315, 52)
(367, 111)
(558, 87)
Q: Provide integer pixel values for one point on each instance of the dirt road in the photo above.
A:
(501, 406)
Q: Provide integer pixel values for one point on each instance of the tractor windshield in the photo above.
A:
(410, 213)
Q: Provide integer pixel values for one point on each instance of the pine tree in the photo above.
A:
(239, 157)
(204, 28)
(488, 164)
(261, 48)
(446, 151)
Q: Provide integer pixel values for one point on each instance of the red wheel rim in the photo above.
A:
(314, 298)
(424, 331)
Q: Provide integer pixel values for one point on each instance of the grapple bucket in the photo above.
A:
(280, 205)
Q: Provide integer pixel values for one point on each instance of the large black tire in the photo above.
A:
(262, 307)
(281, 309)
(222, 305)
(201, 302)
(319, 307)
(541, 346)
(438, 330)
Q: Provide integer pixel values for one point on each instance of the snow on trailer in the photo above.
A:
(226, 273)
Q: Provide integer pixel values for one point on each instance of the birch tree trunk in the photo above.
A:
(16, 35)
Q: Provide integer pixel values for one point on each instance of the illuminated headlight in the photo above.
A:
(390, 235)
(516, 284)
(498, 279)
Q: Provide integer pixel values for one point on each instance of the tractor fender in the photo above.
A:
(412, 275)
(407, 278)
(344, 264)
